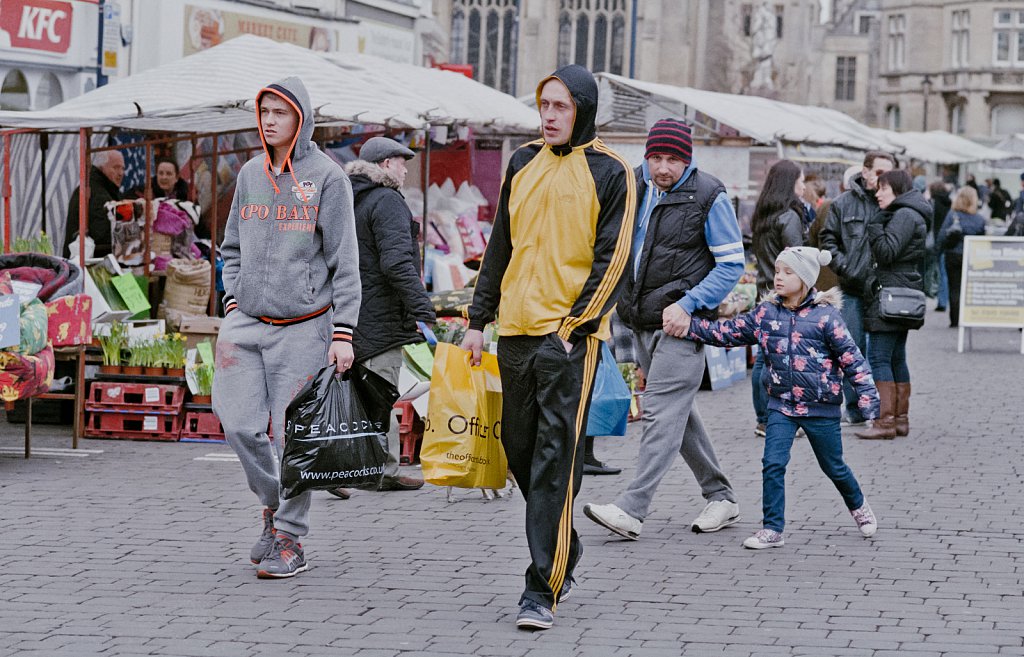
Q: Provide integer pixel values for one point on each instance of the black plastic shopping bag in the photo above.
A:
(336, 432)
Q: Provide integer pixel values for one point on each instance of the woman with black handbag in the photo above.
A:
(897, 238)
(962, 220)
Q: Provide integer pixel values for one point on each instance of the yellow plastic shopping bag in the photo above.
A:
(462, 433)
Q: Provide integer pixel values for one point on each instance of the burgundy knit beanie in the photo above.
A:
(670, 137)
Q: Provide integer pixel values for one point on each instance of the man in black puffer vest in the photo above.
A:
(687, 256)
(389, 268)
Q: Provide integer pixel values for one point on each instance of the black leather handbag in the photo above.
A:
(901, 305)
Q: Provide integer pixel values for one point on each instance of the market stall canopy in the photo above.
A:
(1013, 144)
(452, 97)
(762, 119)
(213, 91)
(943, 147)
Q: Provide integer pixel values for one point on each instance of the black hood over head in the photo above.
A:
(583, 88)
(914, 200)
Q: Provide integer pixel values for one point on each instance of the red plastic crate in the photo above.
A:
(133, 426)
(410, 432)
(201, 427)
(144, 398)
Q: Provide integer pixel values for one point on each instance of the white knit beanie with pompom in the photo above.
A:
(806, 262)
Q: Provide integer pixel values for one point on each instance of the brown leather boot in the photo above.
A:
(903, 409)
(885, 426)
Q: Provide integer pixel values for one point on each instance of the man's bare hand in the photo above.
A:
(675, 321)
(340, 355)
(473, 343)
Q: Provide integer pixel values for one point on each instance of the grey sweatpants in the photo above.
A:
(260, 368)
(388, 364)
(674, 371)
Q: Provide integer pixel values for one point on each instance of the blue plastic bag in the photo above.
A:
(609, 401)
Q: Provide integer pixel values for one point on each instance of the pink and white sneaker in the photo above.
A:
(865, 519)
(764, 538)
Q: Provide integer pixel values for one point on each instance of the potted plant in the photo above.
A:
(174, 354)
(153, 358)
(112, 344)
(137, 358)
(204, 382)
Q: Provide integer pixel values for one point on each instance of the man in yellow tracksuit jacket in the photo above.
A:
(552, 273)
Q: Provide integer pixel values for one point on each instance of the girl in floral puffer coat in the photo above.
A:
(807, 350)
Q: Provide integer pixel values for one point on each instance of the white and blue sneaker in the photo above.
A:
(534, 616)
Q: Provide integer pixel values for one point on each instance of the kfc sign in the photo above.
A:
(37, 24)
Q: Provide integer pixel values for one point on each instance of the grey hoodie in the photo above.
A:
(290, 244)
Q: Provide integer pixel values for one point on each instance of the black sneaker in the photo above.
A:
(533, 616)
(285, 560)
(849, 420)
(596, 467)
(265, 543)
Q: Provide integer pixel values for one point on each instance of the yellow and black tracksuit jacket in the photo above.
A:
(561, 239)
(554, 265)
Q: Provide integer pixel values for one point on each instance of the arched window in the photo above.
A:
(491, 49)
(564, 39)
(957, 117)
(14, 94)
(600, 61)
(618, 53)
(473, 47)
(892, 117)
(484, 35)
(593, 34)
(457, 52)
(49, 92)
(582, 39)
(508, 60)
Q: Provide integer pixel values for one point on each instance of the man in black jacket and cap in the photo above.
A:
(844, 235)
(389, 269)
(105, 176)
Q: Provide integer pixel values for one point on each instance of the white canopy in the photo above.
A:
(943, 147)
(772, 122)
(213, 90)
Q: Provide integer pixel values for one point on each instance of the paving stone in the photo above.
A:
(408, 574)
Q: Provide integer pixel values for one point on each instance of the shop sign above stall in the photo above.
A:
(37, 24)
(205, 28)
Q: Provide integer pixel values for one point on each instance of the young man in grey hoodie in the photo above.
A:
(292, 295)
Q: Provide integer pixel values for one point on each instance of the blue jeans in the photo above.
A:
(826, 440)
(887, 354)
(853, 316)
(757, 389)
(942, 300)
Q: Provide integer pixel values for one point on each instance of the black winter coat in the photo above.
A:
(776, 233)
(101, 191)
(389, 266)
(941, 204)
(897, 236)
(844, 235)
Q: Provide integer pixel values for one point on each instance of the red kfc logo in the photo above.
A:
(37, 24)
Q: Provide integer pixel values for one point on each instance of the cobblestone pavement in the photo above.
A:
(136, 548)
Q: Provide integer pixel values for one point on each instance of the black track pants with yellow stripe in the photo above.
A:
(546, 396)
